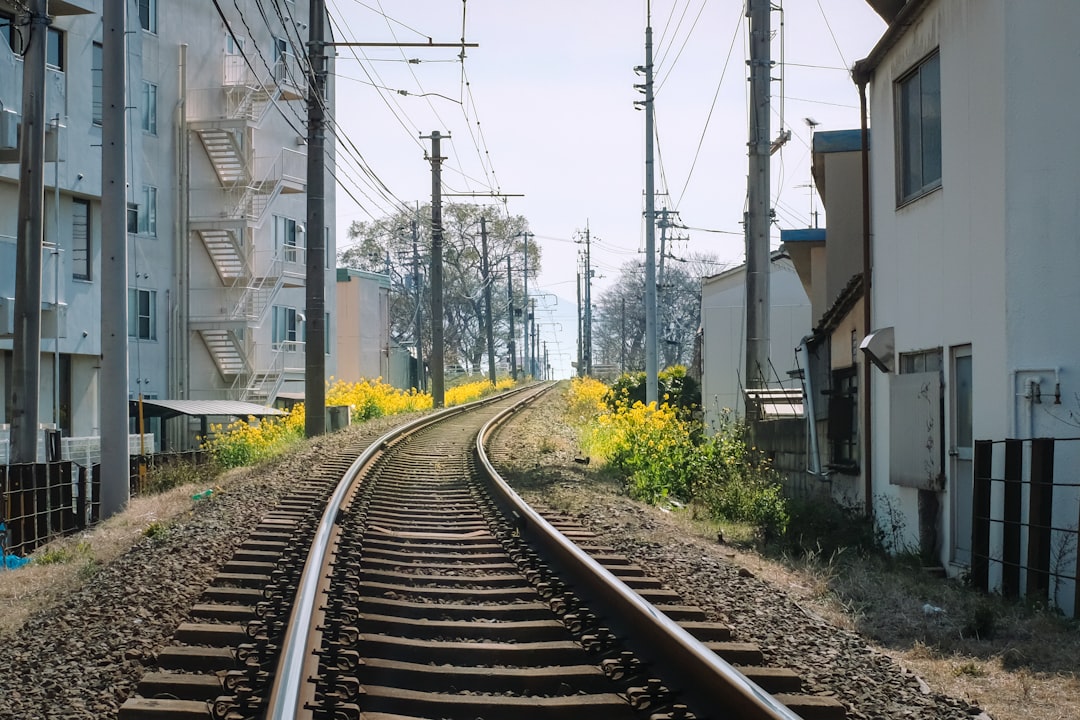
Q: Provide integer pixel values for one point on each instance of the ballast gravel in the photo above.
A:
(81, 658)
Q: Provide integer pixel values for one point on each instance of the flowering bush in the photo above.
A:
(586, 400)
(662, 454)
(245, 442)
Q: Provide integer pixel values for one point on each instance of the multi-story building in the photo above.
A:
(216, 166)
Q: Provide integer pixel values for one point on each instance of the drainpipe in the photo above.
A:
(868, 471)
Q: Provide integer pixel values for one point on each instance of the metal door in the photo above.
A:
(960, 453)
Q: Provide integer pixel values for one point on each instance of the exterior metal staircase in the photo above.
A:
(228, 354)
(225, 119)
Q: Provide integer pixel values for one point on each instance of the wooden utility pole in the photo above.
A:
(485, 270)
(315, 307)
(757, 216)
(438, 392)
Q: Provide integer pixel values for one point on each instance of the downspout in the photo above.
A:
(868, 470)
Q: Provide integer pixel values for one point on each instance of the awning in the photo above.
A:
(200, 408)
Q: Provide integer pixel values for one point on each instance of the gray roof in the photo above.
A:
(210, 408)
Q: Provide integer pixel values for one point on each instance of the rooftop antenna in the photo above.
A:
(812, 123)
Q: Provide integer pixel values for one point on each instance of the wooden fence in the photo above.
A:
(1025, 521)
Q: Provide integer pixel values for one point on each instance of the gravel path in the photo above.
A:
(536, 454)
(81, 658)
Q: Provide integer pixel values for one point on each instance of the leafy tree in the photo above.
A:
(386, 246)
(619, 316)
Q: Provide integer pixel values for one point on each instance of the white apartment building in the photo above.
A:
(216, 165)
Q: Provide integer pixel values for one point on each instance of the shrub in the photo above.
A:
(170, 473)
(586, 400)
(674, 387)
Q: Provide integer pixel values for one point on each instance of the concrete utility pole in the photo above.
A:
(525, 359)
(651, 360)
(438, 393)
(487, 300)
(587, 323)
(115, 485)
(421, 376)
(757, 216)
(533, 355)
(30, 236)
(510, 308)
(622, 343)
(664, 223)
(580, 332)
(315, 329)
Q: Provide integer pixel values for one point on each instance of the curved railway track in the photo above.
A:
(406, 580)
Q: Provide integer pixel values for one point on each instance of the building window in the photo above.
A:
(80, 239)
(9, 32)
(918, 103)
(96, 62)
(843, 427)
(920, 362)
(148, 15)
(54, 49)
(283, 55)
(285, 238)
(142, 314)
(285, 326)
(147, 214)
(132, 218)
(149, 107)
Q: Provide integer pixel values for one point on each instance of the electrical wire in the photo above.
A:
(832, 34)
(712, 107)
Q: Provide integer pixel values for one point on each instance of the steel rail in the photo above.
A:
(708, 682)
(287, 701)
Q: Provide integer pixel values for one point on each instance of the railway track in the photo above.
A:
(431, 593)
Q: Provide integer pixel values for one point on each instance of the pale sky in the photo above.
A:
(544, 109)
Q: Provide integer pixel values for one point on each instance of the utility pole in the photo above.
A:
(534, 355)
(651, 369)
(115, 484)
(487, 299)
(26, 361)
(438, 395)
(525, 362)
(315, 283)
(421, 376)
(663, 224)
(757, 216)
(512, 343)
(547, 363)
(587, 327)
(580, 327)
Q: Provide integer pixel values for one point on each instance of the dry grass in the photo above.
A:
(66, 563)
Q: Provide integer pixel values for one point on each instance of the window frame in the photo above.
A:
(149, 107)
(136, 318)
(87, 241)
(284, 326)
(148, 16)
(148, 212)
(97, 76)
(907, 188)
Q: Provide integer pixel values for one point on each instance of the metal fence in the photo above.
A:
(1026, 520)
(42, 501)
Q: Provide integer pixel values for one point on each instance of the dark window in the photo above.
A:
(843, 428)
(54, 49)
(132, 218)
(80, 239)
(148, 15)
(142, 314)
(149, 107)
(96, 62)
(918, 137)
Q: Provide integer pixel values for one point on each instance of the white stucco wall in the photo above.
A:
(990, 258)
(723, 318)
